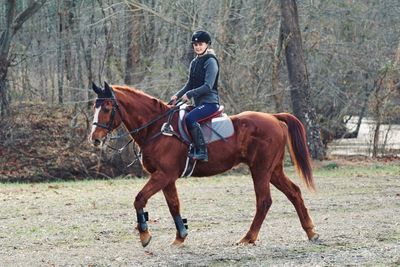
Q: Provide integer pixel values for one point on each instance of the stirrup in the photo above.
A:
(166, 129)
(198, 156)
(193, 154)
(202, 157)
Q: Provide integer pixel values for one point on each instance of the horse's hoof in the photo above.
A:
(178, 243)
(145, 238)
(314, 238)
(246, 241)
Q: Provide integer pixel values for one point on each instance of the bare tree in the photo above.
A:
(344, 53)
(14, 22)
(132, 65)
(302, 104)
(60, 51)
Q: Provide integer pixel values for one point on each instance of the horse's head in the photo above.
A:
(107, 115)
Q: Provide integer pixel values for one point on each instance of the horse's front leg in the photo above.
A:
(157, 181)
(171, 196)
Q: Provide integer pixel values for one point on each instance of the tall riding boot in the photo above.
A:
(200, 148)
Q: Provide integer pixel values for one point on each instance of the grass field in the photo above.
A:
(91, 223)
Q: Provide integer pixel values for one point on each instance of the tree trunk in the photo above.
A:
(60, 61)
(132, 76)
(132, 65)
(107, 62)
(5, 42)
(367, 93)
(3, 90)
(377, 111)
(88, 57)
(375, 142)
(278, 91)
(13, 24)
(229, 93)
(70, 52)
(303, 107)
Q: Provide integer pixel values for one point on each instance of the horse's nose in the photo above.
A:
(96, 142)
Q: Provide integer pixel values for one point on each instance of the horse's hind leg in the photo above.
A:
(293, 193)
(171, 196)
(264, 202)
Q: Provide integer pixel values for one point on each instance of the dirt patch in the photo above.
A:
(91, 223)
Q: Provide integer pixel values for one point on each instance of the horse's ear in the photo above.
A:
(96, 89)
(106, 85)
(108, 90)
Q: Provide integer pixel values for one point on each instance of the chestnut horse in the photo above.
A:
(259, 141)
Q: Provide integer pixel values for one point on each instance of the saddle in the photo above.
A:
(217, 126)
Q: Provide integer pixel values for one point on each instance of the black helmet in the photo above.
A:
(201, 36)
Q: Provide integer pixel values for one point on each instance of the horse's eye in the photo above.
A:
(106, 110)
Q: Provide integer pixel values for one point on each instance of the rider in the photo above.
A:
(202, 86)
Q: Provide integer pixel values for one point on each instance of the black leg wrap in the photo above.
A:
(181, 226)
(142, 218)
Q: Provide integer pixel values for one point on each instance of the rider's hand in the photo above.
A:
(173, 99)
(185, 98)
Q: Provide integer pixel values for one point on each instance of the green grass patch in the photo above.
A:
(335, 169)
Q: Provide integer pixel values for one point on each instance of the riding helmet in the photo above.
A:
(201, 37)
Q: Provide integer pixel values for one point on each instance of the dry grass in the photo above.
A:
(91, 223)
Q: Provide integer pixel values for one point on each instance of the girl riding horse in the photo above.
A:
(259, 141)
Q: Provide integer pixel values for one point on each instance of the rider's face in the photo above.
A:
(199, 47)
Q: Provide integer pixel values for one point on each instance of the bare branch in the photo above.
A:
(135, 4)
(26, 14)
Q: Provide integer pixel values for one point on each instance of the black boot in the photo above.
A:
(200, 148)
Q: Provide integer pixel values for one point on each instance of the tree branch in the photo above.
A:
(137, 5)
(26, 14)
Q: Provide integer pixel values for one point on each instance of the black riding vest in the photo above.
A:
(198, 72)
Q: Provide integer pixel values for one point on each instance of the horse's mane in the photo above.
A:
(126, 90)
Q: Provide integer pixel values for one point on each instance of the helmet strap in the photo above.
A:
(205, 50)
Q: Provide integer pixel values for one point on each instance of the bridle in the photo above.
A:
(115, 108)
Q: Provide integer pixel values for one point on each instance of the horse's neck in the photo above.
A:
(138, 109)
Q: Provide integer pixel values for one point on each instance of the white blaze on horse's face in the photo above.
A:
(95, 120)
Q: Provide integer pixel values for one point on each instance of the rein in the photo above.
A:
(137, 130)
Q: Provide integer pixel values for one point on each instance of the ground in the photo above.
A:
(91, 223)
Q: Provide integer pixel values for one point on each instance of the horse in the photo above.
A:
(259, 140)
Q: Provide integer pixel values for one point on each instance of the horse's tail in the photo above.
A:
(298, 148)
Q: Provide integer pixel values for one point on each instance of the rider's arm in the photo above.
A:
(187, 86)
